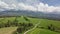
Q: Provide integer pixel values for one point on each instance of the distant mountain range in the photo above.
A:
(37, 14)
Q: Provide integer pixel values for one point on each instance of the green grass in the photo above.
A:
(42, 31)
(35, 31)
(43, 22)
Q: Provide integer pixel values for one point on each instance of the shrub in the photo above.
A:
(51, 27)
(24, 27)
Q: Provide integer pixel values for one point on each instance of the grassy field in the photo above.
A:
(41, 31)
(43, 23)
(8, 30)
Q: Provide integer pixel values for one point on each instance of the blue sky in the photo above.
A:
(52, 2)
(49, 2)
(34, 5)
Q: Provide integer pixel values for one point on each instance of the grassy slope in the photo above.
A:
(43, 22)
(42, 31)
(8, 30)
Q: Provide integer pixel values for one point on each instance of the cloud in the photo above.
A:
(10, 1)
(6, 6)
(46, 8)
(28, 5)
(3, 5)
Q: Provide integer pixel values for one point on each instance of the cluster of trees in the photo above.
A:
(21, 26)
(9, 23)
(24, 27)
(14, 23)
(53, 28)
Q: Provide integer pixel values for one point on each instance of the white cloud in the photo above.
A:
(3, 5)
(22, 6)
(26, 7)
(46, 8)
(6, 6)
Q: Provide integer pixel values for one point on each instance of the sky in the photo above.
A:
(33, 5)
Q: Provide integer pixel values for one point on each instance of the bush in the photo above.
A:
(24, 27)
(51, 27)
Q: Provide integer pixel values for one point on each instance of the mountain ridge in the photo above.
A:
(30, 13)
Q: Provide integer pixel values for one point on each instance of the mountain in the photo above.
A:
(37, 14)
(19, 13)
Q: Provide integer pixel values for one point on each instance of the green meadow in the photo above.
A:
(42, 28)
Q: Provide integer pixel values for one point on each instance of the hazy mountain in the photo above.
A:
(30, 13)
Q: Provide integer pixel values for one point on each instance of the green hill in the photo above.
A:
(43, 23)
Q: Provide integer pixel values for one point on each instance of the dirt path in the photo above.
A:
(32, 28)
